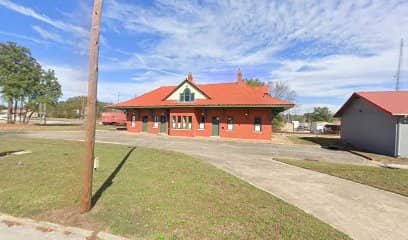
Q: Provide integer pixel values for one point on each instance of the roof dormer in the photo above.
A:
(187, 91)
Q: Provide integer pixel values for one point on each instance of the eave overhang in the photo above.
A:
(284, 106)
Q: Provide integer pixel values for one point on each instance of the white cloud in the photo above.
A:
(239, 28)
(30, 12)
(339, 75)
(207, 37)
(307, 108)
(20, 36)
(80, 34)
(50, 35)
(197, 37)
(73, 80)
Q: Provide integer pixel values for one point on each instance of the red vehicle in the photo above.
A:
(113, 118)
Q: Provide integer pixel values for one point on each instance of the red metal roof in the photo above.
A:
(392, 102)
(220, 94)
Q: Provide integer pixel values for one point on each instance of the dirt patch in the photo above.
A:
(44, 229)
(11, 223)
(281, 138)
(70, 217)
(18, 127)
(6, 126)
(93, 236)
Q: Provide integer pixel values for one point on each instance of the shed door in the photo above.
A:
(216, 126)
(403, 137)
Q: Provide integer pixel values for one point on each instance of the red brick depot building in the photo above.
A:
(226, 110)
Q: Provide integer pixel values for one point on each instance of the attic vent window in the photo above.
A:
(187, 96)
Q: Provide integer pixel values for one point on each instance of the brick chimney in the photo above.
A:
(190, 77)
(239, 76)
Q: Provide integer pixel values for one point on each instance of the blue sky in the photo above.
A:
(325, 50)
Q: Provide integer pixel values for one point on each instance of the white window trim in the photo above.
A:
(133, 121)
(259, 125)
(230, 126)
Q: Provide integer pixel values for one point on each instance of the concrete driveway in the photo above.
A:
(358, 210)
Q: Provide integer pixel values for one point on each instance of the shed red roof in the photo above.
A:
(220, 94)
(392, 102)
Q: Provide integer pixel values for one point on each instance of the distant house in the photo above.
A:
(227, 110)
(317, 127)
(325, 127)
(4, 113)
(376, 122)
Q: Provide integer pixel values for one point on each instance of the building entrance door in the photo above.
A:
(216, 126)
(145, 119)
(163, 124)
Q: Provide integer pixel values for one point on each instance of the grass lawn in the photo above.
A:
(51, 127)
(146, 193)
(323, 141)
(330, 140)
(393, 180)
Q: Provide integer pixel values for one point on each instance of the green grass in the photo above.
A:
(323, 141)
(393, 180)
(154, 195)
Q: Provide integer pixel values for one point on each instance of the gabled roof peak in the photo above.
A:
(392, 102)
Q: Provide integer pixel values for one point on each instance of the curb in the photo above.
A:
(48, 227)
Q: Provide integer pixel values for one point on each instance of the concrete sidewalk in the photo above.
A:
(12, 228)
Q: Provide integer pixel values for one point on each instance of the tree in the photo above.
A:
(281, 90)
(320, 114)
(19, 75)
(74, 107)
(50, 89)
(278, 121)
(253, 82)
(22, 80)
(47, 92)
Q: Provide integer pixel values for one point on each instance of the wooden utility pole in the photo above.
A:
(86, 198)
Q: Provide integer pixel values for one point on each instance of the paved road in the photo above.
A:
(205, 147)
(358, 210)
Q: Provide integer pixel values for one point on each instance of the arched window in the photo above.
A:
(187, 96)
(187, 93)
